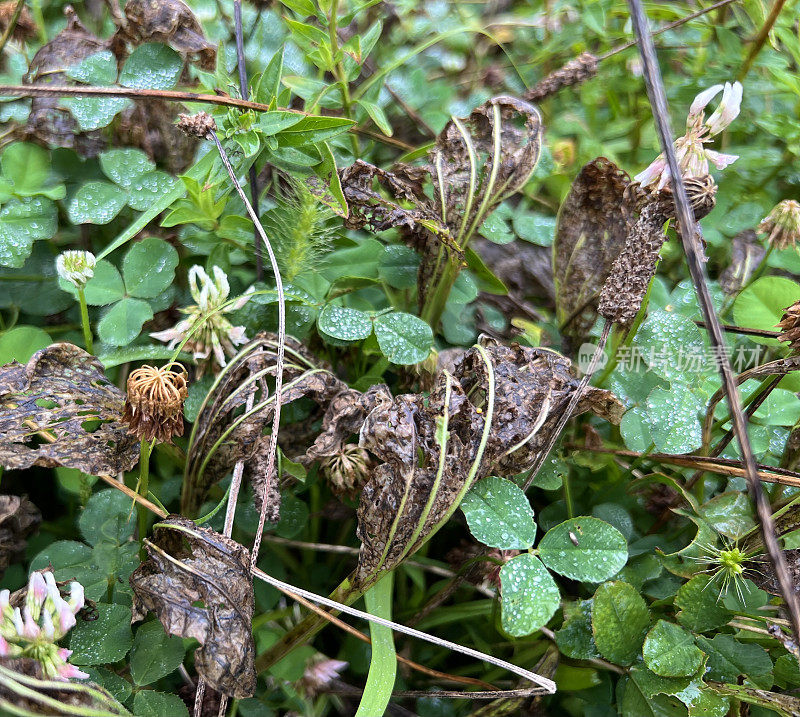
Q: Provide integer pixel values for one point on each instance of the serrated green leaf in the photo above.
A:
(107, 516)
(529, 595)
(729, 513)
(403, 338)
(620, 619)
(151, 66)
(149, 703)
(728, 659)
(499, 515)
(72, 560)
(673, 420)
(124, 321)
(585, 548)
(99, 68)
(149, 267)
(700, 604)
(398, 266)
(669, 651)
(93, 113)
(575, 638)
(96, 203)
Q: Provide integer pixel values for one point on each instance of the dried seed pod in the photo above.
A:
(746, 254)
(577, 70)
(154, 406)
(782, 224)
(790, 326)
(199, 125)
(347, 470)
(626, 286)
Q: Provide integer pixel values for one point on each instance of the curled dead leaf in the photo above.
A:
(59, 409)
(19, 517)
(171, 22)
(198, 584)
(592, 227)
(746, 254)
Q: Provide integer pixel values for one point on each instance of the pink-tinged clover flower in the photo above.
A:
(207, 328)
(46, 617)
(693, 157)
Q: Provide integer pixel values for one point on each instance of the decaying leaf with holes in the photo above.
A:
(171, 22)
(491, 415)
(593, 223)
(25, 691)
(59, 409)
(197, 582)
(18, 519)
(221, 437)
(475, 164)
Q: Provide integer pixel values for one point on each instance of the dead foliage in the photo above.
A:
(25, 28)
(59, 409)
(171, 22)
(475, 164)
(746, 255)
(47, 122)
(197, 582)
(431, 449)
(19, 517)
(592, 227)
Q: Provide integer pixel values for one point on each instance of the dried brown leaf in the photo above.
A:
(431, 449)
(198, 584)
(223, 435)
(59, 409)
(593, 223)
(18, 519)
(171, 22)
(25, 28)
(47, 122)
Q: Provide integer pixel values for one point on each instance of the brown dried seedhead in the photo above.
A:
(200, 125)
(347, 470)
(790, 326)
(154, 406)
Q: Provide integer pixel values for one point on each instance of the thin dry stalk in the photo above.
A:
(691, 238)
(276, 419)
(544, 685)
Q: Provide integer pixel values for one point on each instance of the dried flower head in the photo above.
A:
(76, 267)
(693, 157)
(782, 224)
(790, 326)
(348, 470)
(32, 629)
(199, 125)
(205, 326)
(154, 405)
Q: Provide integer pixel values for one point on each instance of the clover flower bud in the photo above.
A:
(76, 267)
(782, 224)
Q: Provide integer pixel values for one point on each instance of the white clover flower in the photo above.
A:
(76, 267)
(693, 157)
(205, 323)
(45, 618)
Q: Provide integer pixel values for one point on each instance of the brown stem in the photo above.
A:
(691, 237)
(761, 38)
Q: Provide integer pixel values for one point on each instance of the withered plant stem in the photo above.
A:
(691, 238)
(276, 416)
(565, 416)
